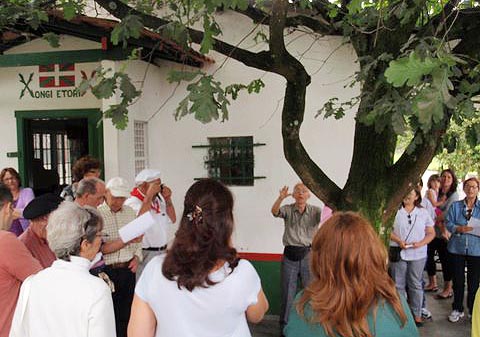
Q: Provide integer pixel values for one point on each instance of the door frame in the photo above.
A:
(95, 131)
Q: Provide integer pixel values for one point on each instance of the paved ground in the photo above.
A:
(439, 326)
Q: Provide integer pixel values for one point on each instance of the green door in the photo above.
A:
(49, 142)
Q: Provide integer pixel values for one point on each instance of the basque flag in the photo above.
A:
(57, 75)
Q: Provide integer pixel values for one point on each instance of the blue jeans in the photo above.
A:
(409, 273)
(290, 272)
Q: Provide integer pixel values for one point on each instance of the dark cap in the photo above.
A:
(42, 205)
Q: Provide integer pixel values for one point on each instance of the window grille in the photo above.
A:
(140, 144)
(231, 160)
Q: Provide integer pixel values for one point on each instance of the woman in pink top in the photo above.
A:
(21, 197)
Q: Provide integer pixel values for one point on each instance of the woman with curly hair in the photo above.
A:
(352, 294)
(84, 168)
(200, 288)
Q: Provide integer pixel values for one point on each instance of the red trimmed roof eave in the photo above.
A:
(110, 24)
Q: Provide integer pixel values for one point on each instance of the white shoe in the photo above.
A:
(426, 314)
(455, 316)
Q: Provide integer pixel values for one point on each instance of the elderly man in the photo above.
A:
(35, 237)
(90, 192)
(121, 258)
(150, 195)
(16, 263)
(301, 222)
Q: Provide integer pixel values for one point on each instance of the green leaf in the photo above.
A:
(355, 6)
(69, 10)
(428, 107)
(105, 88)
(131, 26)
(177, 76)
(128, 90)
(53, 39)
(410, 70)
(119, 115)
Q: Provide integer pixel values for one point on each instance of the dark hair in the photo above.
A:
(203, 237)
(13, 172)
(5, 194)
(453, 187)
(418, 202)
(83, 166)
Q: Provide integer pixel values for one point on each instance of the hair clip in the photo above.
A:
(196, 213)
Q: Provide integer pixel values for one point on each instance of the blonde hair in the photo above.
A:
(349, 272)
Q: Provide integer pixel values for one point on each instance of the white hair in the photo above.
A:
(67, 225)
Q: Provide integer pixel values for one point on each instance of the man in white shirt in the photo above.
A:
(150, 195)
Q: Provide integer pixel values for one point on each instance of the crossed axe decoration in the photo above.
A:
(26, 84)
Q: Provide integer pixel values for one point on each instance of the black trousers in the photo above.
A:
(473, 277)
(439, 245)
(124, 281)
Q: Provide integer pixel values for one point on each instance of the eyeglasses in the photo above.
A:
(102, 235)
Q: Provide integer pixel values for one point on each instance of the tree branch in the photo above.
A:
(316, 23)
(261, 60)
(409, 164)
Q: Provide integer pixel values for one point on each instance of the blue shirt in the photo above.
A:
(462, 243)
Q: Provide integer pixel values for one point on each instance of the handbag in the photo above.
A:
(295, 253)
(394, 253)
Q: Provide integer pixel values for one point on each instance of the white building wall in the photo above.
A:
(328, 142)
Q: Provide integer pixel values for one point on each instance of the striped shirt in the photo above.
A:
(112, 223)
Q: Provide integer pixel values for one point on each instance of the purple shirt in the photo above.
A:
(25, 196)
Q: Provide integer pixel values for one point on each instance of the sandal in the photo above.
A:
(444, 296)
(431, 289)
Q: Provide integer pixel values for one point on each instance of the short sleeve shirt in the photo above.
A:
(299, 227)
(411, 228)
(215, 311)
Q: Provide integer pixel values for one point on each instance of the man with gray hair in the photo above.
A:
(16, 263)
(90, 192)
(121, 258)
(150, 195)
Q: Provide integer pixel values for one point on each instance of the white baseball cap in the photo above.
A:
(147, 175)
(118, 187)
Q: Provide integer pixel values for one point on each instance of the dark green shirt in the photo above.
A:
(387, 323)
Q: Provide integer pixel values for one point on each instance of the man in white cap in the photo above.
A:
(150, 195)
(121, 258)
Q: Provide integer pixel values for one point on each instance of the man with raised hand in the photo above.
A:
(150, 195)
(301, 222)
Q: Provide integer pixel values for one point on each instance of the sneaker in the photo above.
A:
(455, 316)
(426, 314)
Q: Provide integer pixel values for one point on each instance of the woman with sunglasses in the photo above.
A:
(64, 299)
(412, 231)
(464, 248)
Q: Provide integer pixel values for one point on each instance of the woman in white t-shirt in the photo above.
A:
(412, 231)
(200, 287)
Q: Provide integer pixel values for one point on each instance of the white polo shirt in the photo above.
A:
(416, 224)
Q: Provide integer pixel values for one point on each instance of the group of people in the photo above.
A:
(69, 273)
(438, 224)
